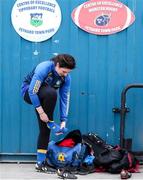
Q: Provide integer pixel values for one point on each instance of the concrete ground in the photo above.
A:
(19, 171)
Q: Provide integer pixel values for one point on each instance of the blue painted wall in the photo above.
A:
(105, 65)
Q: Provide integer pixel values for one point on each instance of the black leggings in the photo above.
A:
(47, 96)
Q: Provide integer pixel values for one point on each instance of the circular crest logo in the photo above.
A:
(102, 20)
(61, 157)
(36, 20)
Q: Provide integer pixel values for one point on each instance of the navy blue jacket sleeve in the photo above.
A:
(40, 73)
(64, 93)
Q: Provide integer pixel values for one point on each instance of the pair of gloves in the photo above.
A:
(56, 128)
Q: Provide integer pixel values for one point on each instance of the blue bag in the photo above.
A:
(60, 156)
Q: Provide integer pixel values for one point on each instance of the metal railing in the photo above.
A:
(123, 110)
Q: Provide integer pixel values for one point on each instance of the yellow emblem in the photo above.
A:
(61, 157)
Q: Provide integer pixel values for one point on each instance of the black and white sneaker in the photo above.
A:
(65, 174)
(44, 167)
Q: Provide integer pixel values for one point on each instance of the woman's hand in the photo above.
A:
(42, 114)
(63, 124)
(44, 117)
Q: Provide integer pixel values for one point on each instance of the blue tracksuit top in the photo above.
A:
(45, 73)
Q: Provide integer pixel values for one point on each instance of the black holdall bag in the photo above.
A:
(108, 157)
(96, 143)
(116, 159)
(127, 162)
(111, 158)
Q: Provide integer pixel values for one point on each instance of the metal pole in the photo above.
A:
(124, 110)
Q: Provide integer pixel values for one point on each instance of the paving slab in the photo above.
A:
(21, 171)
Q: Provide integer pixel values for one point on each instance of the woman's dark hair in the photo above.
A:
(65, 61)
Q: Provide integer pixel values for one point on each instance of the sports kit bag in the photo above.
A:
(68, 151)
(112, 158)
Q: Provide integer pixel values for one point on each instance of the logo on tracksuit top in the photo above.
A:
(54, 81)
